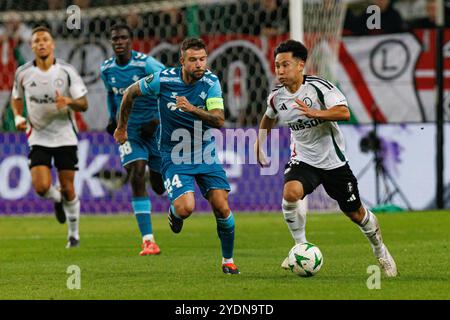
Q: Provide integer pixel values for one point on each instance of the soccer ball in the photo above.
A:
(305, 259)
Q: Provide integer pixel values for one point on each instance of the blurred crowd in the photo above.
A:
(392, 19)
(256, 17)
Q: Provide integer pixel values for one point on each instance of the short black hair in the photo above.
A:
(193, 43)
(41, 28)
(120, 26)
(297, 48)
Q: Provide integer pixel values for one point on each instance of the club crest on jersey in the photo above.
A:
(203, 95)
(307, 101)
(58, 83)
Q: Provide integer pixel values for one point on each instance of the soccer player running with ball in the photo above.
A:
(53, 90)
(141, 148)
(310, 106)
(190, 103)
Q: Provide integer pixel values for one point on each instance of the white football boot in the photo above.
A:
(387, 263)
(285, 264)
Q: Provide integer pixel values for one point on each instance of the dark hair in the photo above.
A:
(193, 43)
(297, 48)
(120, 26)
(41, 28)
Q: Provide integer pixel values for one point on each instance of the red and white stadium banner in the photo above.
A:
(389, 78)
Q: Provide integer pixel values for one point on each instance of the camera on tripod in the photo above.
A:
(370, 143)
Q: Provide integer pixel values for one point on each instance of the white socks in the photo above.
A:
(72, 209)
(224, 261)
(148, 237)
(295, 216)
(371, 229)
(53, 194)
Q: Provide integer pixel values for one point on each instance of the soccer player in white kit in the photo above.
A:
(52, 90)
(310, 106)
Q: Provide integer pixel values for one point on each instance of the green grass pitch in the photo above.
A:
(34, 261)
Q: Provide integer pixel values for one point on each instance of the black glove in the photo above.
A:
(149, 128)
(111, 127)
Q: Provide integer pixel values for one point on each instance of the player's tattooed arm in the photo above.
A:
(129, 95)
(215, 118)
(79, 104)
(133, 91)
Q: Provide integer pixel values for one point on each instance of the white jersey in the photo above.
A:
(318, 143)
(48, 126)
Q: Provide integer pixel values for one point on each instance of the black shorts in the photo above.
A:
(339, 183)
(65, 158)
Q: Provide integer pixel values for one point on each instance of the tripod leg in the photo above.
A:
(397, 190)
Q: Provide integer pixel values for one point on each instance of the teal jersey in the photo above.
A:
(117, 78)
(205, 93)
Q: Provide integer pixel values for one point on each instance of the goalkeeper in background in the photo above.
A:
(141, 149)
(310, 107)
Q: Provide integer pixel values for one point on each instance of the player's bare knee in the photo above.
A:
(221, 210)
(292, 195)
(137, 182)
(41, 188)
(68, 191)
(355, 216)
(184, 210)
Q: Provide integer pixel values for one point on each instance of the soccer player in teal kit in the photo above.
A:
(141, 148)
(190, 100)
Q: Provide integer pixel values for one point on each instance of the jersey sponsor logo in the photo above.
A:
(283, 107)
(174, 95)
(137, 64)
(170, 79)
(43, 100)
(305, 124)
(118, 91)
(33, 84)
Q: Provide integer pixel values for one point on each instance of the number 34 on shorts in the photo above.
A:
(170, 184)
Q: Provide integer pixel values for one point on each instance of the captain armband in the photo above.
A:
(214, 103)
